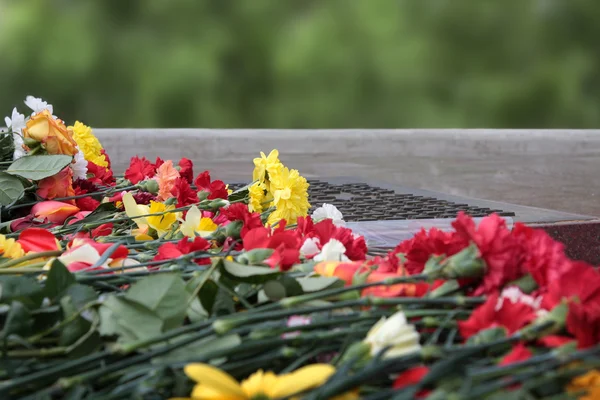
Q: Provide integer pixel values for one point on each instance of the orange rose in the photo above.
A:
(59, 185)
(52, 133)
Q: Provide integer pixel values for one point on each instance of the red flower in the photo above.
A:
(158, 163)
(423, 245)
(59, 185)
(497, 247)
(85, 203)
(37, 240)
(240, 212)
(497, 312)
(305, 227)
(518, 353)
(140, 169)
(216, 189)
(398, 290)
(410, 377)
(169, 251)
(554, 340)
(100, 175)
(183, 192)
(285, 243)
(186, 170)
(544, 258)
(580, 285)
(120, 252)
(356, 248)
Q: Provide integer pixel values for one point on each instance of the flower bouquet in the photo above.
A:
(166, 284)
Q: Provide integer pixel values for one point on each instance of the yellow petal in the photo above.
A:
(302, 379)
(192, 220)
(213, 379)
(204, 392)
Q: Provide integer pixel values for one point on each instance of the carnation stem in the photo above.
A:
(30, 256)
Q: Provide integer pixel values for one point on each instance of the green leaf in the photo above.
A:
(248, 273)
(163, 294)
(81, 295)
(128, 319)
(39, 167)
(317, 283)
(200, 307)
(284, 286)
(22, 288)
(75, 329)
(11, 189)
(7, 147)
(59, 279)
(18, 321)
(224, 304)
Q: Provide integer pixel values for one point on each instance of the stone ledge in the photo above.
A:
(555, 169)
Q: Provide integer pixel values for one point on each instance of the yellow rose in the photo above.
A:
(52, 133)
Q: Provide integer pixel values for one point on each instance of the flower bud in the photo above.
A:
(217, 204)
(31, 143)
(255, 256)
(464, 264)
(395, 333)
(233, 229)
(150, 186)
(357, 352)
(202, 195)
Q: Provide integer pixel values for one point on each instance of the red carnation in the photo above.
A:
(169, 251)
(497, 247)
(285, 243)
(356, 248)
(497, 312)
(186, 170)
(518, 353)
(183, 192)
(544, 258)
(240, 212)
(216, 189)
(140, 169)
(580, 285)
(410, 377)
(85, 203)
(99, 175)
(423, 245)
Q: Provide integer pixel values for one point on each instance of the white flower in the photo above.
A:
(395, 332)
(334, 250)
(329, 211)
(515, 295)
(16, 122)
(37, 105)
(79, 167)
(195, 223)
(310, 247)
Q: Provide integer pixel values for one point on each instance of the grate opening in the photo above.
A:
(363, 202)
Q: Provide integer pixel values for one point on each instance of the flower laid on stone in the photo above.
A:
(165, 283)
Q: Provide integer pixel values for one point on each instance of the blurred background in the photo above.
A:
(305, 63)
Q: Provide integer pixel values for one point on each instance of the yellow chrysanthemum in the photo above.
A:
(88, 144)
(257, 197)
(161, 223)
(215, 384)
(290, 195)
(10, 248)
(589, 382)
(265, 165)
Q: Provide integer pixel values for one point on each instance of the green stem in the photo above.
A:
(30, 256)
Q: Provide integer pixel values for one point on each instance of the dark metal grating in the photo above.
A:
(363, 202)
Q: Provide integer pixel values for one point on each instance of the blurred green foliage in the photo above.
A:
(305, 63)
